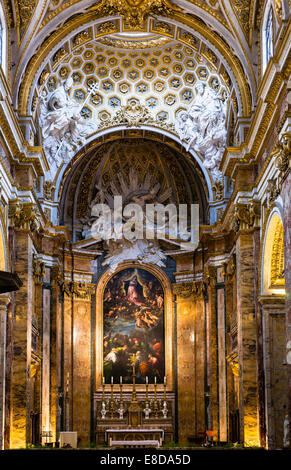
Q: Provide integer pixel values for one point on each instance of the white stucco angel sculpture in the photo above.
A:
(203, 126)
(63, 128)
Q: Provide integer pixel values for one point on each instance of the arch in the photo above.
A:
(107, 135)
(272, 266)
(168, 318)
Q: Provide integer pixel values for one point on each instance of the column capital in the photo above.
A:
(77, 289)
(246, 216)
(188, 289)
(38, 268)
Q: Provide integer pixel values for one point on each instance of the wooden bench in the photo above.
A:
(146, 443)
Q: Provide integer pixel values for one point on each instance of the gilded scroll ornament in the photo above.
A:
(135, 12)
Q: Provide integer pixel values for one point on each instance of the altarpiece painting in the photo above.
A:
(133, 324)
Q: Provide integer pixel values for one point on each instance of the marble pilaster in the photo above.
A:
(273, 313)
(21, 387)
(4, 300)
(190, 360)
(246, 261)
(212, 351)
(285, 192)
(81, 380)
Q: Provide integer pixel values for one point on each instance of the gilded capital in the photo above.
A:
(38, 270)
(188, 289)
(23, 215)
(77, 289)
(246, 216)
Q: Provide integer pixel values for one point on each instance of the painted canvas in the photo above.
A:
(133, 324)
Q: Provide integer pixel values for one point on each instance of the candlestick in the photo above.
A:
(165, 388)
(147, 392)
(111, 399)
(155, 400)
(121, 398)
(103, 390)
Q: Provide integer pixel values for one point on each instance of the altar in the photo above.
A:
(144, 418)
(131, 437)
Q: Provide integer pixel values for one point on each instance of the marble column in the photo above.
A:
(286, 191)
(46, 367)
(212, 348)
(77, 376)
(221, 339)
(21, 363)
(81, 380)
(4, 300)
(276, 391)
(246, 261)
(190, 360)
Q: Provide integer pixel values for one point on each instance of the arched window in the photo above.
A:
(268, 39)
(3, 32)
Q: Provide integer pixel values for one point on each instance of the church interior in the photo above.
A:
(128, 341)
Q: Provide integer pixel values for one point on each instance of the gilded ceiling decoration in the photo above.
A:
(135, 12)
(242, 9)
(161, 82)
(224, 67)
(24, 11)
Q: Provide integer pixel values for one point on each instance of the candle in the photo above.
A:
(111, 379)
(165, 380)
(120, 379)
(147, 380)
(104, 380)
(155, 379)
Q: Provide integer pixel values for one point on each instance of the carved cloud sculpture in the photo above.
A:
(203, 127)
(63, 128)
